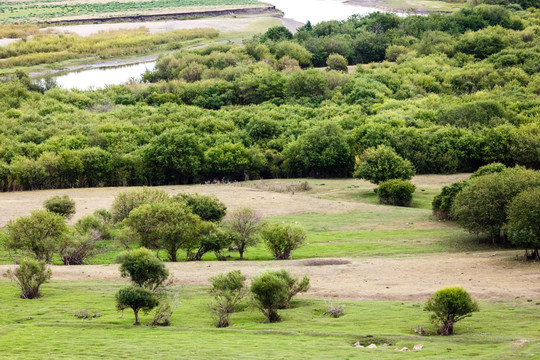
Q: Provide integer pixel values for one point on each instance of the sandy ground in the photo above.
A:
(6, 41)
(15, 204)
(222, 24)
(485, 275)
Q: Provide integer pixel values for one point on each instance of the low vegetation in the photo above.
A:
(29, 275)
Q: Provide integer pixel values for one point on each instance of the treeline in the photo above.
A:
(237, 112)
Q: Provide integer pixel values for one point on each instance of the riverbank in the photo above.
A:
(420, 7)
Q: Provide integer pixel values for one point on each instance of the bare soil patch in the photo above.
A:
(485, 275)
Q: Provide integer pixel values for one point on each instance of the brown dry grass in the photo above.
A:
(485, 275)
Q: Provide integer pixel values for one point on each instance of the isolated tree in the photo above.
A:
(337, 62)
(208, 207)
(282, 239)
(524, 222)
(244, 223)
(295, 285)
(39, 234)
(126, 201)
(143, 268)
(29, 276)
(450, 305)
(60, 204)
(137, 299)
(381, 164)
(170, 226)
(270, 292)
(228, 291)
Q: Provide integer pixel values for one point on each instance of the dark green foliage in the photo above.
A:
(489, 169)
(382, 164)
(137, 299)
(450, 305)
(29, 276)
(524, 222)
(270, 291)
(282, 239)
(60, 204)
(442, 203)
(39, 234)
(396, 192)
(228, 290)
(207, 207)
(277, 33)
(143, 268)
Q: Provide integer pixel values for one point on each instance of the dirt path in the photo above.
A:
(485, 275)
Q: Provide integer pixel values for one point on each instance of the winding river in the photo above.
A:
(298, 10)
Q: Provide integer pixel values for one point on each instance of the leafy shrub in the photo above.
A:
(164, 311)
(282, 239)
(381, 164)
(97, 224)
(524, 222)
(270, 292)
(208, 207)
(442, 203)
(124, 202)
(450, 305)
(396, 192)
(137, 299)
(228, 291)
(337, 62)
(60, 204)
(244, 224)
(143, 268)
(295, 285)
(29, 276)
(77, 248)
(489, 169)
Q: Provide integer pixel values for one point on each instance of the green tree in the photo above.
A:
(207, 207)
(450, 305)
(442, 203)
(337, 62)
(282, 239)
(295, 285)
(382, 164)
(126, 201)
(29, 276)
(61, 205)
(230, 161)
(277, 33)
(137, 299)
(524, 222)
(244, 224)
(228, 291)
(269, 291)
(143, 268)
(39, 234)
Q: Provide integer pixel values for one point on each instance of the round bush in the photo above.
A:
(143, 267)
(381, 164)
(337, 62)
(396, 192)
(60, 204)
(450, 305)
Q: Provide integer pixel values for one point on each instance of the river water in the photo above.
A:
(298, 10)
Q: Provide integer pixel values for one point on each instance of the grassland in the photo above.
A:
(39, 11)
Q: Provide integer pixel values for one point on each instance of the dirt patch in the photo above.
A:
(15, 204)
(485, 275)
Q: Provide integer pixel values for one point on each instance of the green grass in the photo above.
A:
(46, 327)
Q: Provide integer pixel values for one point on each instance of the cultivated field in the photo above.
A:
(382, 262)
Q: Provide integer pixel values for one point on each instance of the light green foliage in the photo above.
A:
(207, 207)
(38, 234)
(450, 305)
(228, 290)
(126, 201)
(60, 204)
(244, 225)
(143, 268)
(396, 192)
(137, 299)
(381, 164)
(270, 291)
(481, 207)
(77, 248)
(524, 221)
(295, 285)
(170, 226)
(29, 276)
(282, 239)
(489, 169)
(337, 62)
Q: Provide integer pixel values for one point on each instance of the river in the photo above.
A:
(298, 10)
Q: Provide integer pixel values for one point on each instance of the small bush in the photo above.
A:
(489, 169)
(164, 311)
(29, 276)
(209, 208)
(334, 311)
(295, 285)
(228, 291)
(450, 305)
(126, 201)
(381, 164)
(396, 192)
(270, 292)
(61, 205)
(87, 314)
(442, 203)
(137, 299)
(77, 248)
(143, 267)
(337, 62)
(282, 239)
(98, 224)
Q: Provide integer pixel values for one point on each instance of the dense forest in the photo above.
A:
(448, 92)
